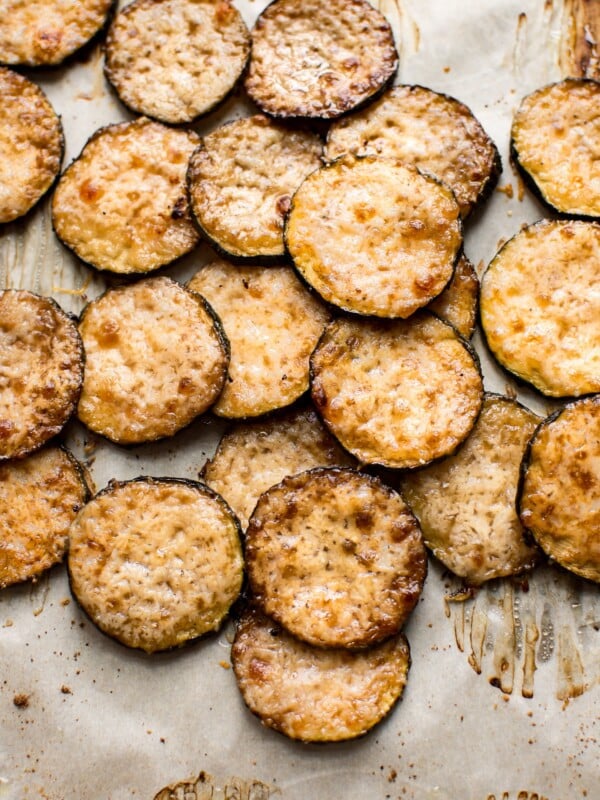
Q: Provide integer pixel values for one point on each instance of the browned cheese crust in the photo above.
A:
(176, 59)
(41, 370)
(156, 562)
(31, 144)
(273, 324)
(122, 205)
(43, 32)
(254, 456)
(458, 303)
(313, 694)
(241, 180)
(155, 359)
(399, 394)
(466, 503)
(374, 236)
(556, 140)
(315, 59)
(436, 133)
(39, 498)
(540, 307)
(560, 493)
(336, 557)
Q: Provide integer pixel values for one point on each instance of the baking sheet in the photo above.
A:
(503, 697)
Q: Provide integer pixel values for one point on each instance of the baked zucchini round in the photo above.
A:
(336, 557)
(458, 303)
(175, 60)
(559, 500)
(156, 358)
(156, 562)
(400, 394)
(315, 59)
(312, 694)
(42, 371)
(241, 180)
(540, 306)
(122, 204)
(31, 144)
(374, 236)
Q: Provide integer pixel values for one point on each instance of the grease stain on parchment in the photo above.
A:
(406, 31)
(522, 795)
(579, 55)
(535, 55)
(206, 787)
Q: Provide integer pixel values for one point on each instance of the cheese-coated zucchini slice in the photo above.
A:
(540, 307)
(241, 180)
(251, 457)
(555, 140)
(312, 694)
(315, 59)
(336, 557)
(122, 205)
(466, 503)
(400, 394)
(273, 324)
(435, 132)
(45, 32)
(31, 144)
(156, 562)
(40, 496)
(175, 60)
(559, 499)
(374, 236)
(156, 358)
(41, 370)
(458, 303)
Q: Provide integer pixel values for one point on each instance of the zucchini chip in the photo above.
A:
(273, 324)
(400, 394)
(457, 304)
(315, 59)
(432, 131)
(39, 498)
(466, 503)
(156, 358)
(336, 557)
(175, 60)
(41, 371)
(38, 33)
(555, 141)
(540, 307)
(312, 694)
(373, 236)
(559, 499)
(241, 180)
(156, 562)
(254, 456)
(31, 144)
(122, 205)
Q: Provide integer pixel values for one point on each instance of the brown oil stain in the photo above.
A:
(579, 54)
(406, 31)
(522, 795)
(206, 787)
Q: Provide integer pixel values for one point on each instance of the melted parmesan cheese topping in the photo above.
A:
(457, 304)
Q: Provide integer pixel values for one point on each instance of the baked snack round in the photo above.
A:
(459, 301)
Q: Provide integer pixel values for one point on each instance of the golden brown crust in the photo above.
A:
(458, 303)
(336, 557)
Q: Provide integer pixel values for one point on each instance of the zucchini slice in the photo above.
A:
(540, 306)
(336, 557)
(315, 59)
(458, 303)
(156, 562)
(312, 694)
(374, 236)
(273, 324)
(156, 358)
(175, 60)
(122, 205)
(31, 144)
(254, 456)
(241, 180)
(41, 371)
(39, 498)
(400, 394)
(466, 503)
(555, 141)
(432, 131)
(559, 499)
(38, 33)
